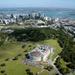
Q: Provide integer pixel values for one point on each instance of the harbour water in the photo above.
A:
(50, 12)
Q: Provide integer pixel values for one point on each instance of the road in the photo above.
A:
(56, 69)
(55, 59)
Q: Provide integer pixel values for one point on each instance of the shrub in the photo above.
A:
(56, 74)
(2, 65)
(15, 58)
(19, 54)
(23, 46)
(7, 59)
(30, 46)
(48, 68)
(29, 72)
(25, 51)
(2, 71)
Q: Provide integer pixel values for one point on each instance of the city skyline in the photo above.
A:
(38, 3)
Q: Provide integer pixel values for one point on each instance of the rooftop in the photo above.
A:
(35, 53)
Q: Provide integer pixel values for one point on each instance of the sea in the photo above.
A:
(50, 12)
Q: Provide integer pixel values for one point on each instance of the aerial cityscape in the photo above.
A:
(37, 37)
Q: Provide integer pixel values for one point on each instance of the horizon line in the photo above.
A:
(39, 7)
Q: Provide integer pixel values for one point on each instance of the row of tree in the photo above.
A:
(68, 45)
(68, 52)
(33, 34)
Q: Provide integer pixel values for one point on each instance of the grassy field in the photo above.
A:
(13, 26)
(16, 67)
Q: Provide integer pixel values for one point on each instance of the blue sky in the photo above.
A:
(38, 3)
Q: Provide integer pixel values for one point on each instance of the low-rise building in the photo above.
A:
(40, 53)
(40, 22)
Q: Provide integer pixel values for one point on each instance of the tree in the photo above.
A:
(29, 72)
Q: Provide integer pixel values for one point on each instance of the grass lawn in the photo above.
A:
(16, 67)
(52, 72)
(9, 50)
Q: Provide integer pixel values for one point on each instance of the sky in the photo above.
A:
(38, 3)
